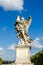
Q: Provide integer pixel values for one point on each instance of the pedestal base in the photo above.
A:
(23, 55)
(24, 64)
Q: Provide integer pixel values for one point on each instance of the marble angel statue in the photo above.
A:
(22, 26)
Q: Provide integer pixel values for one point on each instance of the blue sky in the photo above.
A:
(9, 9)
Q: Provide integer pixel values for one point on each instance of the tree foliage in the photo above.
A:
(8, 62)
(37, 59)
(1, 61)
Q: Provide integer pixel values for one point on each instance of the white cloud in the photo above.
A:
(11, 47)
(42, 37)
(4, 28)
(12, 4)
(32, 54)
(1, 50)
(37, 38)
(36, 43)
(8, 55)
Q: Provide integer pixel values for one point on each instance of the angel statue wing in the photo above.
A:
(27, 23)
(18, 19)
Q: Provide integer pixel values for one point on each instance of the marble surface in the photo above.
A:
(23, 55)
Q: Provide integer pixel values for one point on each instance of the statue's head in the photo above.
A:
(22, 18)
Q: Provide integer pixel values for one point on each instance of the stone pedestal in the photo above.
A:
(23, 55)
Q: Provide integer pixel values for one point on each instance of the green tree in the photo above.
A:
(1, 61)
(37, 59)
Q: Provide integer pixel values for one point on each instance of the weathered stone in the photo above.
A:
(23, 55)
